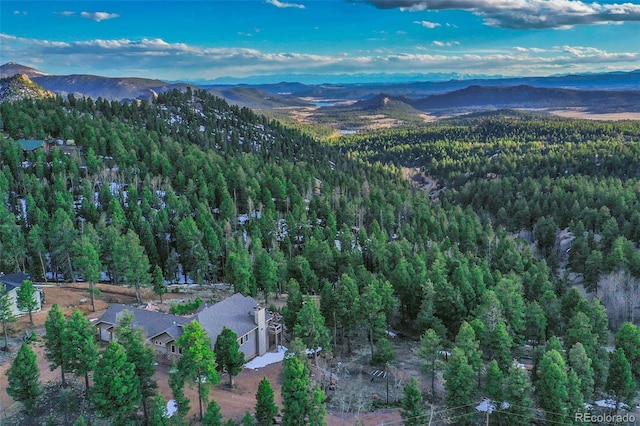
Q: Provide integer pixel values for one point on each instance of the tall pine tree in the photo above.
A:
(140, 353)
(80, 346)
(6, 315)
(266, 408)
(116, 389)
(198, 361)
(228, 355)
(460, 385)
(620, 384)
(412, 406)
(27, 301)
(295, 392)
(551, 386)
(54, 341)
(23, 376)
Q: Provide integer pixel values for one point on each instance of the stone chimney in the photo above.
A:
(260, 318)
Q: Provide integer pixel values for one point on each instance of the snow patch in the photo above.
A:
(489, 406)
(172, 408)
(266, 359)
(610, 403)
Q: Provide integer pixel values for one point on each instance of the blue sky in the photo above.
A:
(195, 40)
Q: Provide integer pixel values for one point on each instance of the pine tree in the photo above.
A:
(501, 343)
(517, 392)
(132, 264)
(430, 347)
(265, 271)
(460, 386)
(580, 362)
(412, 405)
(551, 386)
(198, 361)
(317, 408)
(23, 376)
(295, 392)
(620, 384)
(6, 316)
(466, 341)
(628, 339)
(54, 341)
(536, 324)
(311, 329)
(294, 304)
(213, 416)
(87, 262)
(142, 355)
(238, 269)
(228, 355)
(592, 269)
(383, 354)
(158, 411)
(580, 330)
(494, 379)
(35, 243)
(27, 301)
(176, 384)
(248, 420)
(80, 346)
(159, 288)
(266, 408)
(116, 389)
(346, 297)
(574, 391)
(371, 310)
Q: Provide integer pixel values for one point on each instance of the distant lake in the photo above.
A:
(321, 104)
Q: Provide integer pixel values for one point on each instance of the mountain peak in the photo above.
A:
(13, 68)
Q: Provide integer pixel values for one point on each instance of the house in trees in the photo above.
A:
(257, 329)
(32, 144)
(11, 283)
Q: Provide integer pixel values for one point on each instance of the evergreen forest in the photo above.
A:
(527, 246)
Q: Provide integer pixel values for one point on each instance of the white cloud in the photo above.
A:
(66, 13)
(283, 5)
(154, 57)
(527, 14)
(20, 12)
(445, 43)
(427, 24)
(99, 16)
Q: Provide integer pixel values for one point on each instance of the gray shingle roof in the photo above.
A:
(235, 312)
(153, 323)
(12, 281)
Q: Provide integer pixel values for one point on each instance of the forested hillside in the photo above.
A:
(188, 188)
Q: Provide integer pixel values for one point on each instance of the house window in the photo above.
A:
(173, 349)
(244, 339)
(157, 342)
(180, 351)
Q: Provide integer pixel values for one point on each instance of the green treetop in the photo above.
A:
(23, 376)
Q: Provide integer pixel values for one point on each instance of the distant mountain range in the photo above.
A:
(402, 102)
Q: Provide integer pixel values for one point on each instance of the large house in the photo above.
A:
(257, 330)
(11, 283)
